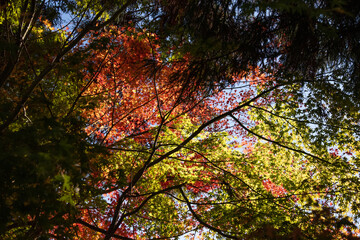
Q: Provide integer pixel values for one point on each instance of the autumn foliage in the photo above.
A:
(110, 130)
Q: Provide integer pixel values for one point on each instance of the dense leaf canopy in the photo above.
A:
(162, 119)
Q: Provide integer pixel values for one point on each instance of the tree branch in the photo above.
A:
(279, 144)
(202, 221)
(92, 227)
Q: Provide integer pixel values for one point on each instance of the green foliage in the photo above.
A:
(285, 166)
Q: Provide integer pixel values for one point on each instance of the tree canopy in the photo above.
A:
(168, 119)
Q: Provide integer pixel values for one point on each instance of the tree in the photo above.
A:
(144, 147)
(116, 124)
(45, 153)
(308, 38)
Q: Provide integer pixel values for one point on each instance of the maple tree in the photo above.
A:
(120, 132)
(192, 180)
